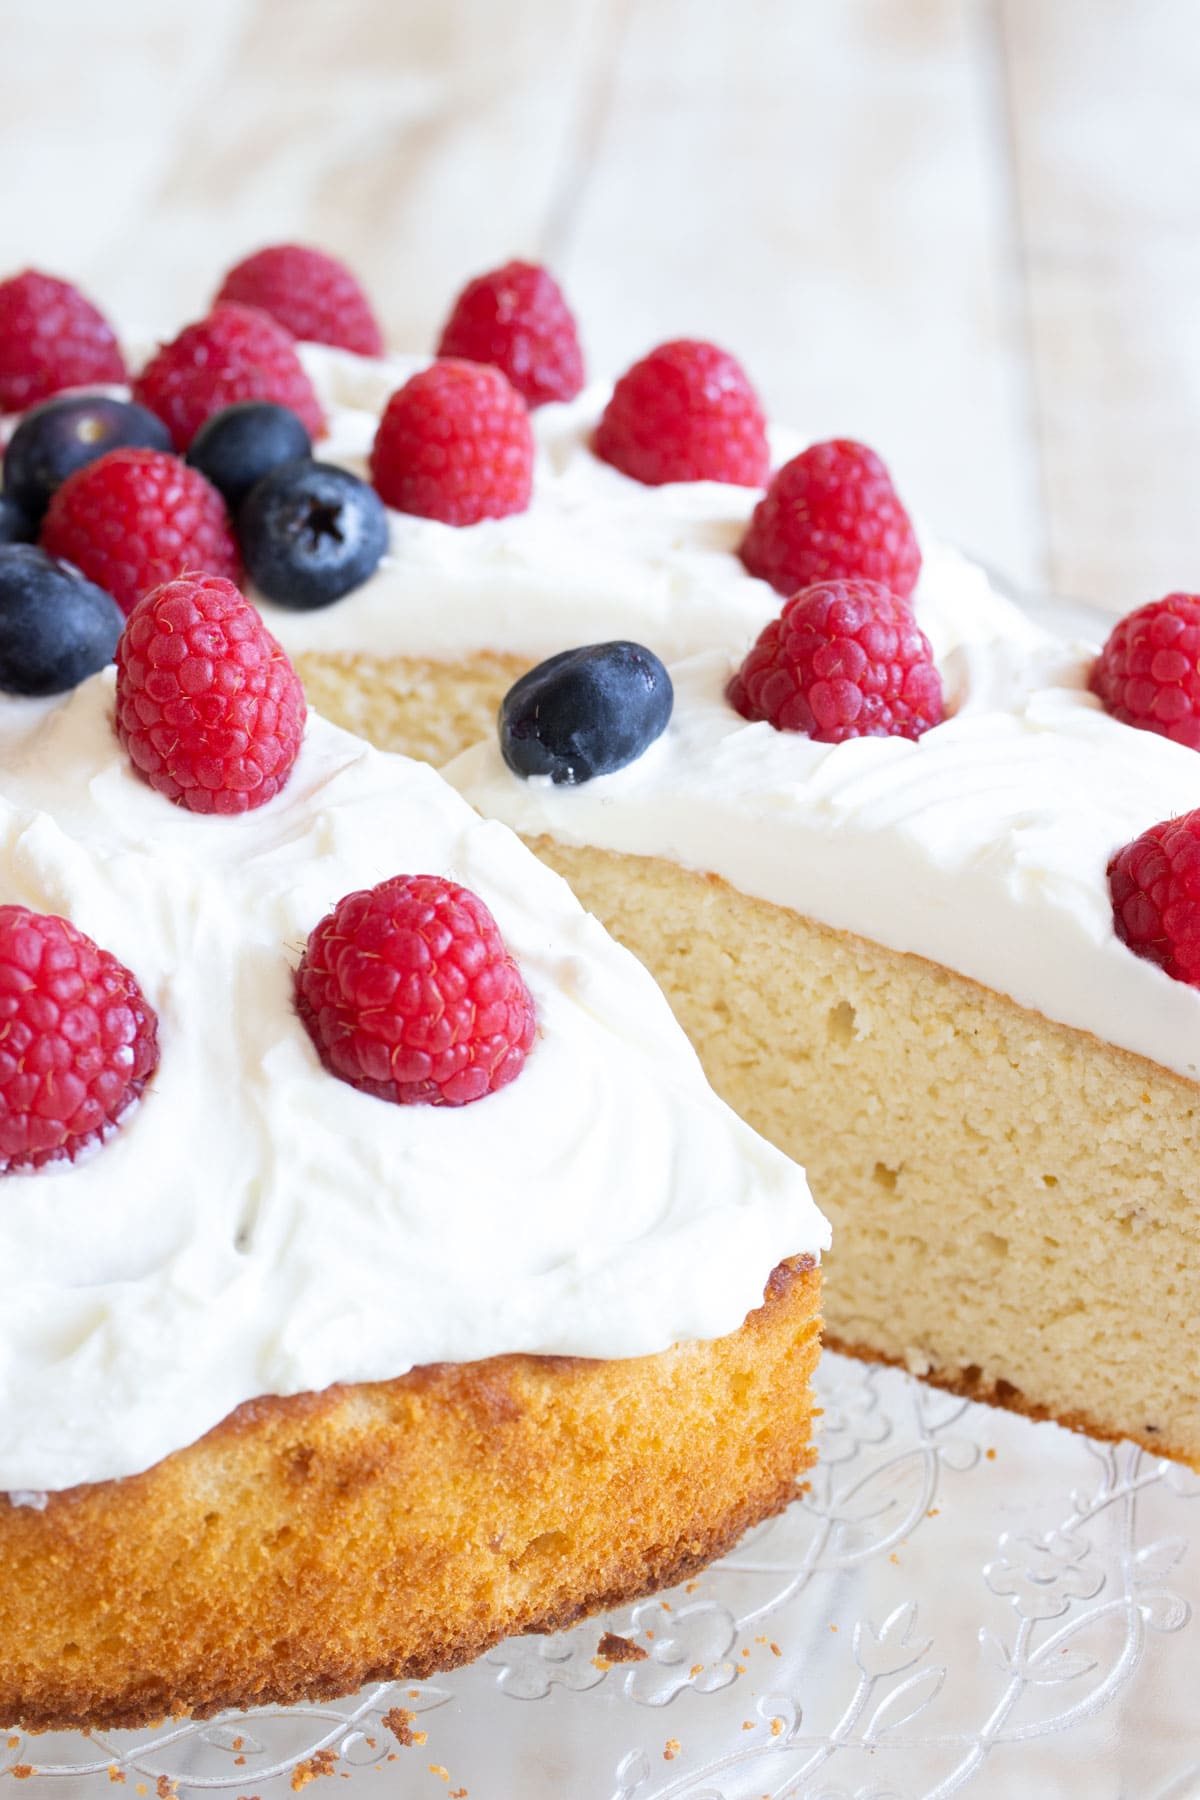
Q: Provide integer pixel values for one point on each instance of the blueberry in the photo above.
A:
(585, 712)
(54, 440)
(310, 532)
(55, 627)
(242, 443)
(16, 527)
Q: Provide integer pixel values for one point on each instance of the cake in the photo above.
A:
(304, 1388)
(895, 958)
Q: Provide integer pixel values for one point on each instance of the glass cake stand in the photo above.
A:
(964, 1602)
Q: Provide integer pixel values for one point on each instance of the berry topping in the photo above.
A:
(310, 532)
(312, 294)
(686, 412)
(237, 353)
(832, 514)
(136, 518)
(407, 992)
(1155, 888)
(585, 712)
(78, 1041)
(208, 706)
(1148, 673)
(516, 319)
(16, 527)
(51, 338)
(242, 443)
(54, 440)
(454, 444)
(845, 659)
(56, 628)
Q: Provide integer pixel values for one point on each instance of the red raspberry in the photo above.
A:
(1148, 673)
(51, 337)
(686, 412)
(832, 514)
(78, 1040)
(845, 659)
(1155, 888)
(408, 993)
(455, 444)
(516, 319)
(135, 518)
(237, 353)
(315, 296)
(208, 706)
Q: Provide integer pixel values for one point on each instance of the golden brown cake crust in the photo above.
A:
(308, 1545)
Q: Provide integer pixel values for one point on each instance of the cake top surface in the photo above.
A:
(256, 1226)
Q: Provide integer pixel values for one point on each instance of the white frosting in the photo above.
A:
(983, 846)
(595, 556)
(259, 1227)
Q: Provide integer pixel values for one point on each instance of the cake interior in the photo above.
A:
(1012, 1201)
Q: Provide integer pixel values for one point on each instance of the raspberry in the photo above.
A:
(51, 338)
(516, 319)
(686, 412)
(78, 1040)
(208, 706)
(237, 353)
(135, 518)
(455, 444)
(832, 514)
(313, 295)
(1155, 888)
(1148, 673)
(408, 993)
(845, 659)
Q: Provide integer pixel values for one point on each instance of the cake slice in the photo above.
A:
(303, 1387)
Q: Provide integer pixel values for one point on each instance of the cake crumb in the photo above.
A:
(368, 1741)
(320, 1763)
(414, 1693)
(932, 1512)
(672, 1750)
(437, 1769)
(747, 1724)
(165, 1789)
(238, 1761)
(238, 1743)
(13, 1742)
(614, 1649)
(115, 1775)
(399, 1723)
(773, 1647)
(776, 1727)
(458, 1794)
(649, 1634)
(691, 1587)
(761, 1640)
(666, 1605)
(991, 1455)
(21, 1771)
(892, 1557)
(141, 1788)
(696, 1669)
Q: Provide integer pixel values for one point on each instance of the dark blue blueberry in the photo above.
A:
(242, 443)
(55, 627)
(585, 712)
(54, 440)
(310, 532)
(16, 527)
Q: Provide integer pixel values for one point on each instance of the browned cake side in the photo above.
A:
(1014, 1203)
(427, 709)
(310, 1544)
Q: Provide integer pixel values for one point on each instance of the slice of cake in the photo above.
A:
(901, 952)
(309, 1380)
